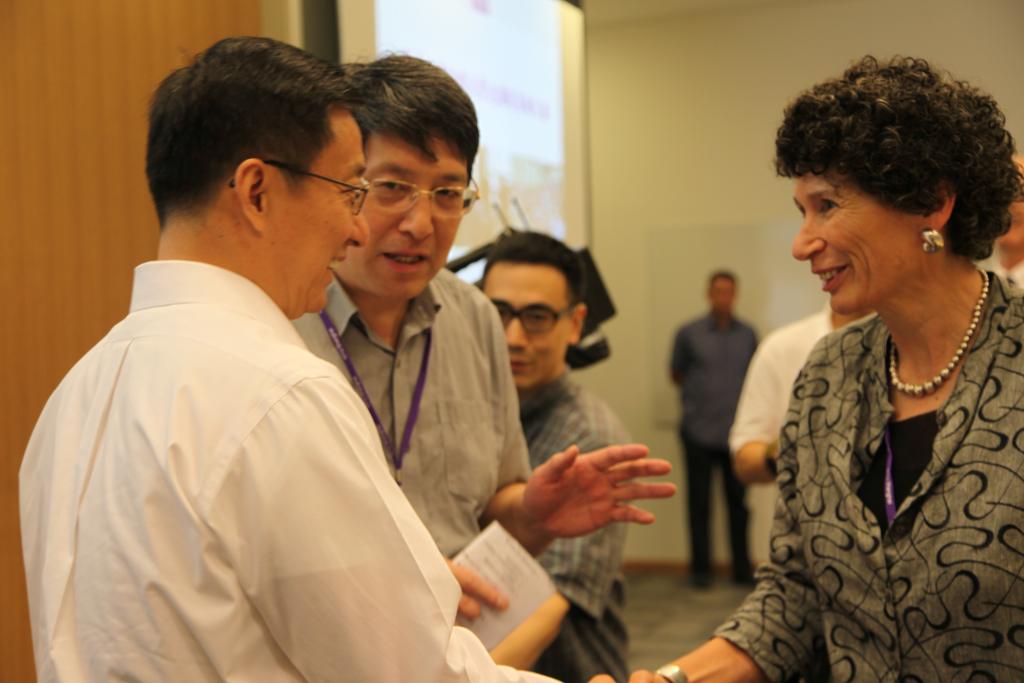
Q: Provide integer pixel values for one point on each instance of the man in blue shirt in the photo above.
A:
(709, 360)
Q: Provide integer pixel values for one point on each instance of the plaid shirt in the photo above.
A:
(586, 570)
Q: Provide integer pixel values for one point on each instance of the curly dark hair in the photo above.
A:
(908, 135)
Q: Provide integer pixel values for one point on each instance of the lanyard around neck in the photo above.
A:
(889, 489)
(397, 456)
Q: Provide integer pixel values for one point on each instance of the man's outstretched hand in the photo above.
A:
(573, 494)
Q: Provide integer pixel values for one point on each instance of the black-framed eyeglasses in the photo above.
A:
(358, 192)
(535, 318)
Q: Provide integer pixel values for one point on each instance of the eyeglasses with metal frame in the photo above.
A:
(535, 318)
(358, 192)
(398, 196)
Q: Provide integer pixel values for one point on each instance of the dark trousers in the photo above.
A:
(699, 462)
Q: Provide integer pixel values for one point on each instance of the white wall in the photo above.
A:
(683, 112)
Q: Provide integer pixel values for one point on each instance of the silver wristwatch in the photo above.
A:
(672, 673)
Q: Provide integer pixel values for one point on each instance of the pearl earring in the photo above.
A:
(931, 240)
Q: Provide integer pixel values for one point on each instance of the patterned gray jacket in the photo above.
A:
(939, 597)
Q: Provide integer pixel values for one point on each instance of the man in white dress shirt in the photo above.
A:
(1010, 246)
(202, 498)
(754, 436)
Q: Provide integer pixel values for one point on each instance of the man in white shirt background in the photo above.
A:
(202, 499)
(1010, 246)
(754, 435)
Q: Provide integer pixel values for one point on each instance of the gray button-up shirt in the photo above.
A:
(940, 596)
(467, 442)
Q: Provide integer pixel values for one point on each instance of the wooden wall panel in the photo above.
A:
(75, 215)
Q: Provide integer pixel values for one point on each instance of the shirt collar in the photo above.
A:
(714, 328)
(172, 282)
(1017, 274)
(421, 313)
(339, 306)
(538, 400)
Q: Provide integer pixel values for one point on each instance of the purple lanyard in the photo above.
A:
(414, 406)
(890, 488)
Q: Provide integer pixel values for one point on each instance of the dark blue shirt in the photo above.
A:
(712, 363)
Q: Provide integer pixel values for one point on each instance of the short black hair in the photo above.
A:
(415, 101)
(243, 97)
(537, 248)
(907, 135)
(722, 275)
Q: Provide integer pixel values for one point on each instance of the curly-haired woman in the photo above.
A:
(897, 550)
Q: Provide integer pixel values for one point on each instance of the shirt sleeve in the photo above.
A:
(514, 458)
(779, 624)
(334, 560)
(585, 567)
(761, 409)
(682, 358)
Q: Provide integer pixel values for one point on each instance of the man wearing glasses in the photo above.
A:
(426, 351)
(202, 499)
(537, 285)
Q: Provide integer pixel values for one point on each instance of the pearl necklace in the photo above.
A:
(935, 382)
